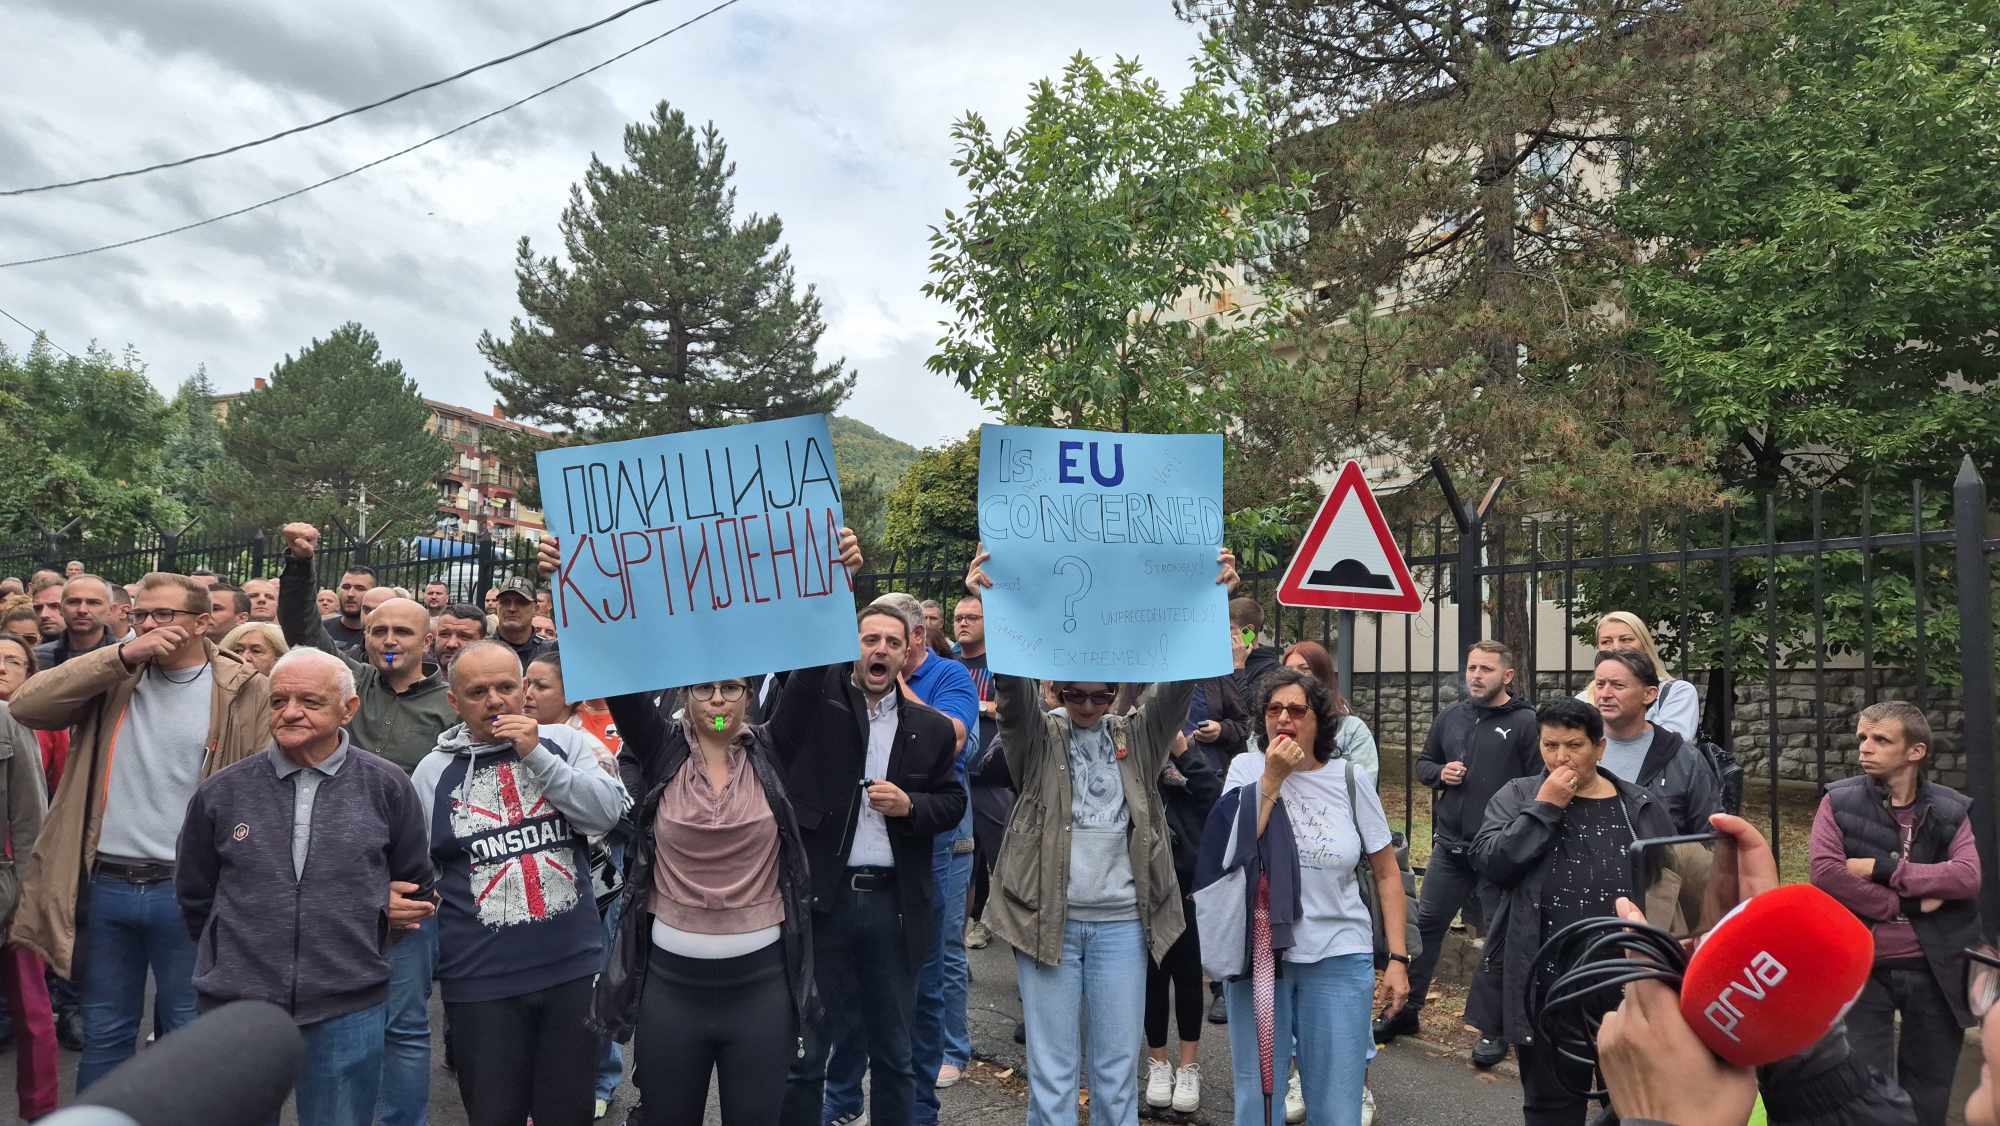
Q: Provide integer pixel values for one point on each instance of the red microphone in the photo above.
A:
(1775, 974)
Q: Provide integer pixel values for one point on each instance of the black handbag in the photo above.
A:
(1364, 878)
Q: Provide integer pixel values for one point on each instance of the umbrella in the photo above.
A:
(1264, 986)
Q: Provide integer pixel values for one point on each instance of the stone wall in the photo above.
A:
(1750, 719)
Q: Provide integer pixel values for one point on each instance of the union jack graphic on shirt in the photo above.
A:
(519, 846)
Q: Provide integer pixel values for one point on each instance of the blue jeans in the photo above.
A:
(405, 1095)
(131, 928)
(611, 1061)
(1327, 1007)
(939, 1036)
(343, 1068)
(1100, 986)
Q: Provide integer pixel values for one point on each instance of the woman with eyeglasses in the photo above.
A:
(1333, 823)
(23, 803)
(1086, 890)
(710, 960)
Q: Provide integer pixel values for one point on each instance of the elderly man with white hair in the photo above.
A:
(283, 876)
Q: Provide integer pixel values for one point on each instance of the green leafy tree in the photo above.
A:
(933, 512)
(1087, 226)
(192, 456)
(334, 418)
(1825, 281)
(671, 314)
(863, 451)
(83, 437)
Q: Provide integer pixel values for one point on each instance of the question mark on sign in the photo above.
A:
(1083, 580)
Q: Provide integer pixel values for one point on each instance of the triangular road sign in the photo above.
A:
(1348, 560)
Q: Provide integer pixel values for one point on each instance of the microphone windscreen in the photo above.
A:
(232, 1067)
(1775, 974)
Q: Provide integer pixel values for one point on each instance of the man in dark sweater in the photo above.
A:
(280, 871)
(1476, 746)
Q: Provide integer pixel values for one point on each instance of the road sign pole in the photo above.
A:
(1343, 661)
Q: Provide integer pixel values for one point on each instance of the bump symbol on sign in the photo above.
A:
(1072, 564)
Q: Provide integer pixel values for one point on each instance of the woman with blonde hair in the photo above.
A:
(1678, 708)
(259, 644)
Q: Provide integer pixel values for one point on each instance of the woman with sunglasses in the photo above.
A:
(1326, 988)
(1085, 890)
(710, 963)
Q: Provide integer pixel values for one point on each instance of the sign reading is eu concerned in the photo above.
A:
(691, 557)
(1103, 554)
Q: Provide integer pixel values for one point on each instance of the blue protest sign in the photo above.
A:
(1104, 551)
(691, 557)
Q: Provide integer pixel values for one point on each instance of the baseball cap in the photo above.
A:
(517, 585)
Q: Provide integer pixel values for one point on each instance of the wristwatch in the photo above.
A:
(1403, 958)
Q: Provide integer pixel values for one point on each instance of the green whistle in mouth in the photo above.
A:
(721, 724)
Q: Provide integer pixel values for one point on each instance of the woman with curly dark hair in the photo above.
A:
(1331, 818)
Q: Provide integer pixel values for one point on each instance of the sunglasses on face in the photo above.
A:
(1294, 712)
(1982, 982)
(705, 692)
(1078, 698)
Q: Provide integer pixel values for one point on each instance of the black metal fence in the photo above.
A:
(468, 565)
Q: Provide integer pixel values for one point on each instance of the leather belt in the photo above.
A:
(133, 871)
(871, 879)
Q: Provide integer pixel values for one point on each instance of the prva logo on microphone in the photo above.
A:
(1727, 1011)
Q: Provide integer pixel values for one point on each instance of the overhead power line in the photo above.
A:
(296, 129)
(296, 192)
(39, 334)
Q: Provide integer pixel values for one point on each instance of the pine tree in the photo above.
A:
(671, 314)
(336, 417)
(192, 457)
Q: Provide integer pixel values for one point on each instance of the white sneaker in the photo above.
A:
(858, 1118)
(977, 935)
(1159, 1083)
(1367, 1106)
(947, 1075)
(1295, 1100)
(1187, 1089)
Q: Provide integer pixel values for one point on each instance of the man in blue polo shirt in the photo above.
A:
(940, 1045)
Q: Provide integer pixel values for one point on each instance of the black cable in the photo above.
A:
(689, 22)
(1580, 974)
(378, 104)
(39, 334)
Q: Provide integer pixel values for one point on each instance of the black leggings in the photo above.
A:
(1182, 969)
(526, 1057)
(732, 1017)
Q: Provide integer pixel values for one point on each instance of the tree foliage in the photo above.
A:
(863, 451)
(670, 314)
(83, 436)
(933, 512)
(1464, 268)
(1086, 225)
(335, 417)
(1825, 281)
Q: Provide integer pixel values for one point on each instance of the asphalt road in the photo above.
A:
(1413, 1084)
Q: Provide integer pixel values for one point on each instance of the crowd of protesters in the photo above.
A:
(343, 799)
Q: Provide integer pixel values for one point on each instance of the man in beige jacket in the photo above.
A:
(152, 717)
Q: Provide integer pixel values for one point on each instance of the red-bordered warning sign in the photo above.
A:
(1348, 560)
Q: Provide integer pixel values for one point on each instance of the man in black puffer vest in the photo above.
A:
(1898, 851)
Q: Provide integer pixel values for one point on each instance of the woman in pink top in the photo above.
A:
(712, 962)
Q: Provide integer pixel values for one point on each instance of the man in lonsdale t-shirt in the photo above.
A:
(510, 804)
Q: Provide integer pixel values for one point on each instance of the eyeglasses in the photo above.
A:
(163, 615)
(1294, 712)
(961, 619)
(730, 692)
(1982, 983)
(1076, 697)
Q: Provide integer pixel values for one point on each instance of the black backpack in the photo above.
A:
(1728, 775)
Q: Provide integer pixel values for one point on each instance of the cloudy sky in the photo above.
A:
(837, 113)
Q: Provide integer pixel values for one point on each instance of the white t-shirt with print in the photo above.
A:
(1336, 920)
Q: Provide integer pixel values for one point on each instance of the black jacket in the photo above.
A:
(49, 654)
(1228, 707)
(1869, 829)
(1513, 850)
(1188, 788)
(1679, 775)
(820, 732)
(1497, 745)
(652, 750)
(1256, 663)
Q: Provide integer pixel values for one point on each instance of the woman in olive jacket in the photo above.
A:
(1084, 887)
